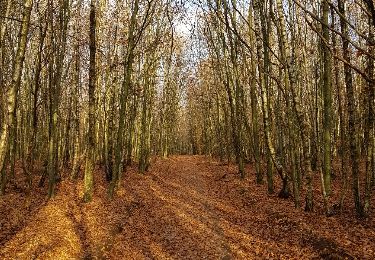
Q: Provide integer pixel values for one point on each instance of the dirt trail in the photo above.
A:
(186, 207)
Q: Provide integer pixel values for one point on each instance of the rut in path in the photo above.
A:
(186, 207)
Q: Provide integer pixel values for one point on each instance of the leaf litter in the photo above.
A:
(185, 207)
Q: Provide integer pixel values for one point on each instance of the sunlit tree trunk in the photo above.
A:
(77, 81)
(90, 150)
(265, 107)
(128, 68)
(3, 28)
(327, 105)
(11, 92)
(235, 86)
(254, 106)
(56, 66)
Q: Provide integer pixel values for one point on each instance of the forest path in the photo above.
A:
(185, 207)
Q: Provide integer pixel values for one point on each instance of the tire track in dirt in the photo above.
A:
(77, 215)
(181, 187)
(200, 183)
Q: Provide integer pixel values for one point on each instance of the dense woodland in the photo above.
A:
(172, 129)
(284, 85)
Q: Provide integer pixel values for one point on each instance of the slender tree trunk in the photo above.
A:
(11, 93)
(77, 82)
(270, 150)
(254, 107)
(90, 150)
(56, 73)
(3, 28)
(327, 101)
(128, 68)
(351, 108)
(370, 97)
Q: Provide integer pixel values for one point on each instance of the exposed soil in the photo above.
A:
(185, 207)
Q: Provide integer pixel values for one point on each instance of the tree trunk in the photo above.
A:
(11, 93)
(370, 96)
(128, 68)
(90, 150)
(327, 104)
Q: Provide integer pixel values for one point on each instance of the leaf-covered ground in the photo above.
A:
(186, 207)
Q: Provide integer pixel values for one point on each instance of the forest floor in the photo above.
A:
(185, 207)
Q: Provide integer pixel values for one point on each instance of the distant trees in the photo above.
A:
(291, 73)
(84, 86)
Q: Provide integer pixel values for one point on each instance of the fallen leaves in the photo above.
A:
(181, 209)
